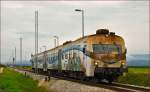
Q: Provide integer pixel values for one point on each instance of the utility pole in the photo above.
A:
(13, 61)
(56, 38)
(55, 43)
(0, 36)
(36, 38)
(20, 50)
(0, 43)
(15, 56)
(37, 30)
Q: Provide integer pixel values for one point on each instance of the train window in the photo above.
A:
(66, 56)
(53, 58)
(74, 55)
(84, 50)
(62, 56)
(105, 48)
(56, 57)
(50, 59)
(70, 55)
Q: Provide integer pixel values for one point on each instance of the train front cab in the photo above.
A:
(109, 57)
(109, 71)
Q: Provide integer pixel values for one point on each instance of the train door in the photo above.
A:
(87, 62)
(59, 59)
(45, 58)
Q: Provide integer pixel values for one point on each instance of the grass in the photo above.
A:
(11, 81)
(24, 67)
(136, 76)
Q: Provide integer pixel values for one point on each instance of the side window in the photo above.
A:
(84, 48)
(66, 56)
(62, 56)
(74, 55)
(49, 59)
(55, 57)
(52, 58)
(69, 54)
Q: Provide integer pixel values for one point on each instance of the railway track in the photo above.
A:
(114, 86)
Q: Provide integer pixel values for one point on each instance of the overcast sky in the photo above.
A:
(130, 19)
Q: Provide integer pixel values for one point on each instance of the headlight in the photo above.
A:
(122, 63)
(96, 63)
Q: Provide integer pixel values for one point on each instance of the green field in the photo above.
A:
(11, 81)
(136, 76)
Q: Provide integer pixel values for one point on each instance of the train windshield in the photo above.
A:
(106, 48)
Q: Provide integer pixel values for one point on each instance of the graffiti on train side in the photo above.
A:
(73, 58)
(74, 64)
(71, 61)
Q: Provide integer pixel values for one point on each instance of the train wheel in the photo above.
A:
(87, 78)
(99, 80)
(110, 80)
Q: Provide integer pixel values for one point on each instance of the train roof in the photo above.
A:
(81, 38)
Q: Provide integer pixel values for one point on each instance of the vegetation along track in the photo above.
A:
(114, 86)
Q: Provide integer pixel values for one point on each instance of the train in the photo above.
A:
(99, 56)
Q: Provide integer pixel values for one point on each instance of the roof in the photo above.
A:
(69, 42)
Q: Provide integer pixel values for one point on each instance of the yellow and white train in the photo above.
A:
(101, 56)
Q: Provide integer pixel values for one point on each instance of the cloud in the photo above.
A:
(22, 4)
